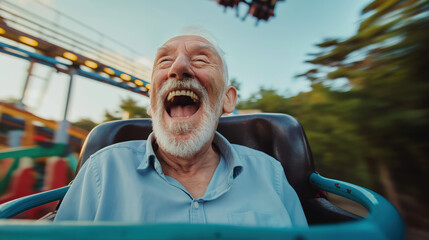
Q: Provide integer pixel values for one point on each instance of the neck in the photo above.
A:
(194, 172)
(205, 160)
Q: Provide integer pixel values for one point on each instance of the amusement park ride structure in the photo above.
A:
(260, 9)
(42, 41)
(34, 40)
(28, 36)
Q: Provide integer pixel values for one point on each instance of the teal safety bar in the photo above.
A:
(382, 214)
(383, 222)
(17, 206)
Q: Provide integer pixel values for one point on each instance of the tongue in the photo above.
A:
(183, 111)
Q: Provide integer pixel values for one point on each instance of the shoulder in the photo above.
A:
(258, 162)
(122, 153)
(259, 165)
(135, 146)
(250, 154)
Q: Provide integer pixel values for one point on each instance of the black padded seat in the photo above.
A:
(279, 135)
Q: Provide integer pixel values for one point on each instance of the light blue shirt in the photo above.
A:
(125, 182)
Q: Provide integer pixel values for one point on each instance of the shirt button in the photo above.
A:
(196, 205)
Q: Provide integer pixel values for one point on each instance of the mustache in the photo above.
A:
(187, 83)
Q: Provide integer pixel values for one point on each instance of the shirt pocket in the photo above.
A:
(259, 219)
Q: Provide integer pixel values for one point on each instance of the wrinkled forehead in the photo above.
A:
(190, 42)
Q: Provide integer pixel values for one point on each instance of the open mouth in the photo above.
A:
(182, 103)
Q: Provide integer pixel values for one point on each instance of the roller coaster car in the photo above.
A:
(260, 9)
(228, 3)
(278, 135)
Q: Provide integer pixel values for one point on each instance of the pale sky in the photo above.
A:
(268, 55)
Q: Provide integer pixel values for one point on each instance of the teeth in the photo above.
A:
(182, 93)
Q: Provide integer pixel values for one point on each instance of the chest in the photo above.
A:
(161, 201)
(196, 186)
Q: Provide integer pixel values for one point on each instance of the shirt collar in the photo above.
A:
(234, 163)
(149, 156)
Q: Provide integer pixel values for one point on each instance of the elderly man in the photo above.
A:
(185, 171)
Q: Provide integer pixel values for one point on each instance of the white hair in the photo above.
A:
(201, 32)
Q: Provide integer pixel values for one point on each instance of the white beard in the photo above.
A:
(198, 135)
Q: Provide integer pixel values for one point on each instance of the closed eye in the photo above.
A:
(201, 60)
(162, 60)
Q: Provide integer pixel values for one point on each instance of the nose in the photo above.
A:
(180, 69)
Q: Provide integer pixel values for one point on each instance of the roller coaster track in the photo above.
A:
(85, 52)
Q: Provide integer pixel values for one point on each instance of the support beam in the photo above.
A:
(24, 89)
(61, 135)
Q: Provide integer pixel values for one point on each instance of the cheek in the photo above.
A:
(156, 85)
(154, 98)
(158, 77)
(217, 87)
(153, 103)
(212, 81)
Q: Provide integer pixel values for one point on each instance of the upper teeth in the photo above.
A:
(182, 93)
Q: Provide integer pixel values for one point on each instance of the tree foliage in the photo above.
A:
(85, 123)
(379, 114)
(386, 65)
(129, 107)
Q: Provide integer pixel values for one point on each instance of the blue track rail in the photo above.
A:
(60, 66)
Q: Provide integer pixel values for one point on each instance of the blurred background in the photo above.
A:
(354, 73)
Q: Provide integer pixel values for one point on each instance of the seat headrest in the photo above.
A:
(279, 135)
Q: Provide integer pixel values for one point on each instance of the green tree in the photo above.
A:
(85, 123)
(366, 117)
(129, 107)
(335, 142)
(267, 100)
(384, 100)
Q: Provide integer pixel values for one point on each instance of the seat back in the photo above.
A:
(278, 135)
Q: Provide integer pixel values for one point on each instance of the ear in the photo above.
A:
(229, 99)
